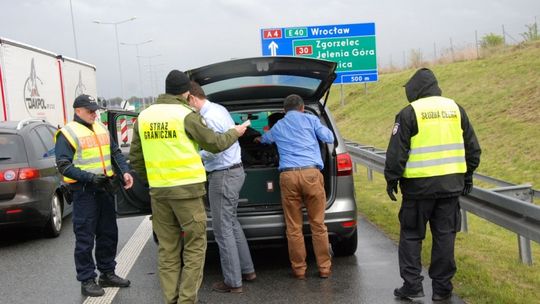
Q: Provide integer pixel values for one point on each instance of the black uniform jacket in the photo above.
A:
(424, 84)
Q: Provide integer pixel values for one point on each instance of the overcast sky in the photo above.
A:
(189, 34)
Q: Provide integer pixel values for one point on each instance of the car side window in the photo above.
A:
(47, 136)
(40, 151)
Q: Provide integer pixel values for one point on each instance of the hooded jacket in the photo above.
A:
(421, 85)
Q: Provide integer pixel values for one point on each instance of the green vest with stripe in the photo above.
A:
(438, 147)
(171, 158)
(92, 148)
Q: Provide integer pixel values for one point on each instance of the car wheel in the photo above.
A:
(54, 224)
(347, 246)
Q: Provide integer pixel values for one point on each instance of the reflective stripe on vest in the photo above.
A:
(438, 147)
(92, 148)
(170, 156)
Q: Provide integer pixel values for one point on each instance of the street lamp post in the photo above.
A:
(155, 70)
(117, 47)
(151, 76)
(73, 27)
(138, 62)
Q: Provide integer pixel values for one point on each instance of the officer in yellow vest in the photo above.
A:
(432, 154)
(83, 156)
(164, 149)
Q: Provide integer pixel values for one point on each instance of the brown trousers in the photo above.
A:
(298, 189)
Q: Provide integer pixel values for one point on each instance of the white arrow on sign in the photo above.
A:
(273, 48)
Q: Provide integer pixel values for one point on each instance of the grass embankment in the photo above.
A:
(502, 97)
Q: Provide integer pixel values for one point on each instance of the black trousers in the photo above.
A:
(444, 220)
(94, 222)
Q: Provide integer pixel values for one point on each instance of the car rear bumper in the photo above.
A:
(340, 219)
(19, 211)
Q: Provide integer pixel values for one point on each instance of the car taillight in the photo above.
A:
(344, 164)
(11, 175)
(28, 173)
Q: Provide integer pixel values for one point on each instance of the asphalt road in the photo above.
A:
(37, 270)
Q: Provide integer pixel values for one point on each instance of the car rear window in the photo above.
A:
(258, 120)
(11, 149)
(310, 84)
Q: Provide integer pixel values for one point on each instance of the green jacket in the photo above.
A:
(198, 132)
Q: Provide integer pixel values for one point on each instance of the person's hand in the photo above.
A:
(128, 181)
(257, 139)
(468, 185)
(241, 129)
(99, 179)
(391, 188)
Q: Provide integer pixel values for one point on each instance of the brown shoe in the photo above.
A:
(325, 274)
(299, 276)
(249, 276)
(222, 287)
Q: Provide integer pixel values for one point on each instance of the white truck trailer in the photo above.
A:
(41, 84)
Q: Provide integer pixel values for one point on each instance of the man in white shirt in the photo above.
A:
(225, 175)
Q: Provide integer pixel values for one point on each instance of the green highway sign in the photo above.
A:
(351, 46)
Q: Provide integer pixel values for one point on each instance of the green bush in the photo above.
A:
(491, 40)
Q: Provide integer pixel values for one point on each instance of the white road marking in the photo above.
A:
(126, 259)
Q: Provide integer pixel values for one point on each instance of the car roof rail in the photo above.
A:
(27, 121)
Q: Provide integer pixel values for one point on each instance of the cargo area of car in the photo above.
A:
(261, 190)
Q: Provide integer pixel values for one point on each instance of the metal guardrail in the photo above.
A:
(509, 206)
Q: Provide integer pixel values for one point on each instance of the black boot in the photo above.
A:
(91, 289)
(110, 279)
(406, 293)
(441, 297)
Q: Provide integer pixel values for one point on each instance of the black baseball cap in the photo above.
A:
(86, 101)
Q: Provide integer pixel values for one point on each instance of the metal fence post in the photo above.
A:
(524, 193)
(525, 252)
(369, 170)
(464, 223)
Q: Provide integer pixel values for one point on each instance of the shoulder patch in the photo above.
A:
(395, 129)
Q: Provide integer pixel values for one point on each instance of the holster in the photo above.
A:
(66, 192)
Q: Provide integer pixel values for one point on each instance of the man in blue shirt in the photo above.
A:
(302, 183)
(225, 179)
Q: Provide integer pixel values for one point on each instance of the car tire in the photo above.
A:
(347, 246)
(54, 223)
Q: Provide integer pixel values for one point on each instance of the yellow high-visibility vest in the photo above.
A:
(438, 147)
(92, 148)
(170, 156)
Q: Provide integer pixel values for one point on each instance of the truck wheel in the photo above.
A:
(347, 246)
(54, 224)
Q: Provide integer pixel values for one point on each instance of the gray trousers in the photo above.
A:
(223, 192)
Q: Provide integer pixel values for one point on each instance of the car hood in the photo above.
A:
(263, 80)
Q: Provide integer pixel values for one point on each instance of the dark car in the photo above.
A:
(30, 193)
(254, 89)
